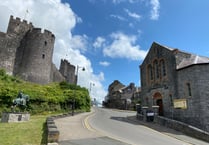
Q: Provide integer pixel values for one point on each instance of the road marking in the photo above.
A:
(86, 122)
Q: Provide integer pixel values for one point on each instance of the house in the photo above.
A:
(121, 96)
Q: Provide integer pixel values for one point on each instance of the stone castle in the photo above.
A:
(26, 51)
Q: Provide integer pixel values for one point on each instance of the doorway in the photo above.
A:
(158, 100)
(159, 103)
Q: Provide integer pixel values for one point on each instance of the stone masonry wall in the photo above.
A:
(197, 113)
(37, 58)
(165, 85)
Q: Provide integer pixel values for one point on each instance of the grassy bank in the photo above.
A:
(32, 132)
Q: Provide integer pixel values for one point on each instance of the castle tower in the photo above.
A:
(18, 28)
(36, 61)
(10, 41)
(68, 71)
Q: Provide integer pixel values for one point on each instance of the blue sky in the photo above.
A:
(110, 38)
(174, 23)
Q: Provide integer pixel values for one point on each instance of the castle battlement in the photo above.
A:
(17, 19)
(2, 34)
(42, 31)
(49, 32)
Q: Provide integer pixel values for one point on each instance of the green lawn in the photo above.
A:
(32, 132)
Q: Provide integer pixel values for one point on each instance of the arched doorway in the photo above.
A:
(158, 100)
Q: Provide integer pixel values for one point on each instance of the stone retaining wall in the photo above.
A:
(52, 131)
(179, 126)
(182, 127)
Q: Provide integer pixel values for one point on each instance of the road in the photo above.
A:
(114, 127)
(114, 124)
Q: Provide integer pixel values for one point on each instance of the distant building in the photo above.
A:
(26, 51)
(121, 96)
(178, 82)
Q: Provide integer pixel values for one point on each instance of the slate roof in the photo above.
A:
(187, 61)
(193, 59)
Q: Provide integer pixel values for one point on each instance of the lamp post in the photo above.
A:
(78, 67)
(73, 103)
(90, 87)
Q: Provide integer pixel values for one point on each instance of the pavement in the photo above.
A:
(168, 131)
(75, 130)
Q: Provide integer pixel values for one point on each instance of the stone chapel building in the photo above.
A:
(178, 82)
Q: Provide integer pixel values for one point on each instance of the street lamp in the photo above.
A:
(73, 103)
(78, 67)
(90, 87)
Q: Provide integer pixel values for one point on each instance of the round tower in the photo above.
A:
(11, 40)
(37, 58)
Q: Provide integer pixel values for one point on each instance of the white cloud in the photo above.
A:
(119, 1)
(58, 18)
(118, 17)
(123, 46)
(79, 42)
(155, 9)
(133, 15)
(99, 42)
(104, 63)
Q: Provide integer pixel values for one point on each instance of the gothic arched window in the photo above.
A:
(162, 68)
(156, 70)
(150, 73)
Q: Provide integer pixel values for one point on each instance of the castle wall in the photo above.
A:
(10, 41)
(27, 52)
(37, 57)
(6, 55)
(56, 76)
(68, 71)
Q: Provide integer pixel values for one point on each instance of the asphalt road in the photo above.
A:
(114, 123)
(114, 127)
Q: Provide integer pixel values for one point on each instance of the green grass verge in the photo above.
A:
(32, 132)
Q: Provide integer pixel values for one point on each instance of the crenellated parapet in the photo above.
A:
(18, 26)
(18, 20)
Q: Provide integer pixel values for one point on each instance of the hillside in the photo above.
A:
(54, 97)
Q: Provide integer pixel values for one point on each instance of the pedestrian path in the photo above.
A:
(75, 131)
(167, 131)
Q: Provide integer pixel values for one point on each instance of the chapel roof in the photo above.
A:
(188, 60)
(193, 59)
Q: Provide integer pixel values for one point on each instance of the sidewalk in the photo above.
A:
(167, 131)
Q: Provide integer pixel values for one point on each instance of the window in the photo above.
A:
(45, 43)
(163, 68)
(150, 73)
(171, 99)
(156, 69)
(43, 56)
(189, 89)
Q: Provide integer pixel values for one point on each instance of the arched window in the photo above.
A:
(150, 73)
(162, 68)
(156, 70)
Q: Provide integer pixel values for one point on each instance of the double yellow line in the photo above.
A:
(86, 122)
